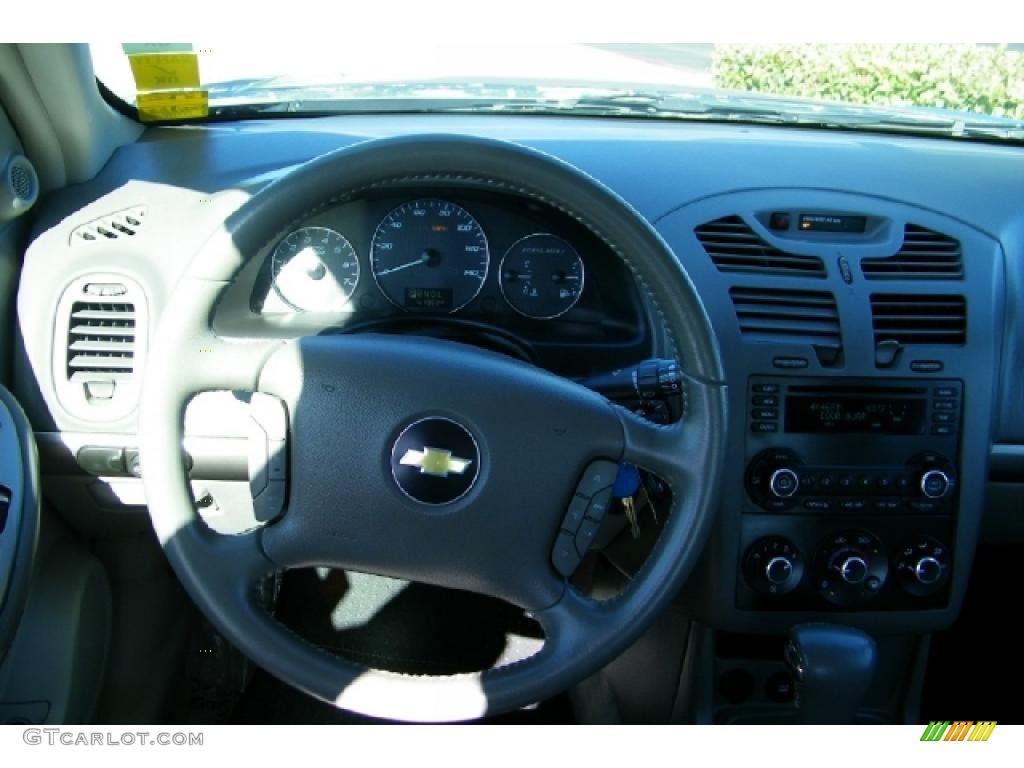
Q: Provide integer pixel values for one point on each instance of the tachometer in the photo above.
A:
(541, 276)
(315, 269)
(429, 255)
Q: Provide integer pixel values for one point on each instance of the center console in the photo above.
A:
(850, 493)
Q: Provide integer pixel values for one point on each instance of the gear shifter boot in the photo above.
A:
(833, 667)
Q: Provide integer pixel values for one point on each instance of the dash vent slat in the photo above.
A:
(734, 247)
(919, 318)
(924, 255)
(788, 316)
(101, 340)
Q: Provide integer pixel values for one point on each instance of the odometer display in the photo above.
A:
(429, 255)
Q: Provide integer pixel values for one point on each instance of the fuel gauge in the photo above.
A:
(541, 276)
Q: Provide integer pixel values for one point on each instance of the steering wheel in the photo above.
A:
(19, 514)
(352, 402)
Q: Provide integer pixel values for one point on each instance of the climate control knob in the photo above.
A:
(783, 483)
(928, 570)
(923, 566)
(778, 570)
(853, 570)
(773, 566)
(935, 483)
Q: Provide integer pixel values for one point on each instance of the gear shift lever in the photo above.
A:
(833, 667)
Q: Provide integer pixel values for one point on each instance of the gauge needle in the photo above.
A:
(402, 266)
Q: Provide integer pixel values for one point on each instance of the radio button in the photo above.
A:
(942, 417)
(761, 427)
(765, 413)
(864, 481)
(925, 506)
(935, 484)
(783, 482)
(818, 505)
(945, 392)
(827, 482)
(884, 482)
(886, 505)
(766, 388)
(852, 505)
(944, 405)
(768, 402)
(846, 481)
(943, 429)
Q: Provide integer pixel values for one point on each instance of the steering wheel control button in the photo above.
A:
(564, 555)
(585, 535)
(577, 511)
(598, 476)
(435, 461)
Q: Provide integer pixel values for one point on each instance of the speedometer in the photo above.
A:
(315, 269)
(429, 255)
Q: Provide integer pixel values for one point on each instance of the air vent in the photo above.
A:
(126, 223)
(790, 317)
(919, 319)
(924, 255)
(101, 341)
(734, 247)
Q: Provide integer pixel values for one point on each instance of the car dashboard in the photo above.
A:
(865, 291)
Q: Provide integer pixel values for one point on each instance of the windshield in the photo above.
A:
(967, 90)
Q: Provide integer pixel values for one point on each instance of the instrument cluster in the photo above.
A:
(432, 255)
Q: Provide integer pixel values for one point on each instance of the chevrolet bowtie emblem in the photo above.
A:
(435, 462)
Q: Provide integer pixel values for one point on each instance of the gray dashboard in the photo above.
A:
(179, 184)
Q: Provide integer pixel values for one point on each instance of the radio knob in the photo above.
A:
(853, 569)
(783, 483)
(778, 570)
(928, 570)
(935, 484)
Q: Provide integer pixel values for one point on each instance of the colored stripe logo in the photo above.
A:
(961, 730)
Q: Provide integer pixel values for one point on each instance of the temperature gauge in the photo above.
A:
(541, 276)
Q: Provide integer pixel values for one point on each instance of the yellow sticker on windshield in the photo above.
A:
(172, 105)
(160, 71)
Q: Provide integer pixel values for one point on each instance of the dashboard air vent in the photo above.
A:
(124, 223)
(768, 315)
(734, 247)
(924, 255)
(101, 341)
(919, 319)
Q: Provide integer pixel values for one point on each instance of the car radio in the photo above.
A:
(850, 492)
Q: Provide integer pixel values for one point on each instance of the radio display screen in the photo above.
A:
(875, 415)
